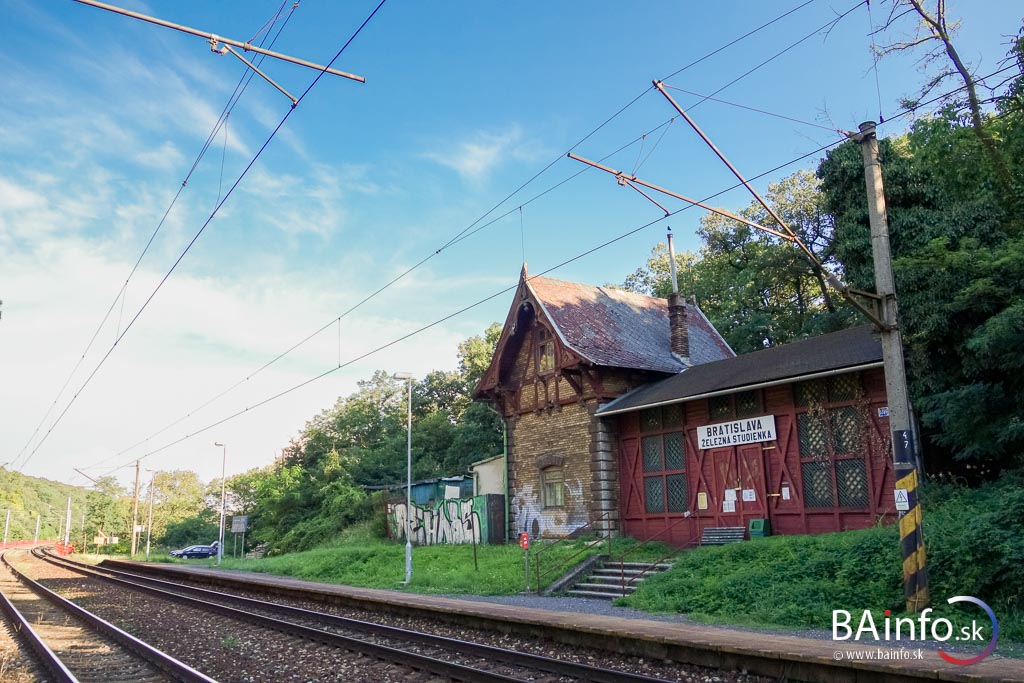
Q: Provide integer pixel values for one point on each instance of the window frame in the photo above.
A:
(546, 487)
(831, 456)
(545, 348)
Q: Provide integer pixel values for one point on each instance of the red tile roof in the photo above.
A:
(615, 328)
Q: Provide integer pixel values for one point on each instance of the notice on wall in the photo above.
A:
(729, 505)
(737, 432)
(702, 500)
(730, 494)
(785, 493)
(749, 496)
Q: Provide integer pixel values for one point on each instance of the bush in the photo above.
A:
(974, 540)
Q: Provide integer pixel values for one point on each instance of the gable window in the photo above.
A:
(552, 484)
(545, 351)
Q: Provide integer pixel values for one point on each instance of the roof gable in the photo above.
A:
(605, 327)
(616, 328)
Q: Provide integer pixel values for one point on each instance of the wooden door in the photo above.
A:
(727, 487)
(753, 502)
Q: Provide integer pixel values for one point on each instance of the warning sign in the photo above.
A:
(902, 500)
(524, 541)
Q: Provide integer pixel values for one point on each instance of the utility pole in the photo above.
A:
(135, 510)
(7, 525)
(35, 541)
(881, 310)
(904, 448)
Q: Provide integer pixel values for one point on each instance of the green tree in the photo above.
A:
(758, 289)
(958, 250)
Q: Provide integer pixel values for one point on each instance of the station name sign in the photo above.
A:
(737, 432)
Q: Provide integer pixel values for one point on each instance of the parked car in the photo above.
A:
(195, 552)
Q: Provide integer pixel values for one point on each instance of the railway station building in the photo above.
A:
(631, 415)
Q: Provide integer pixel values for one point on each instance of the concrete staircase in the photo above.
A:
(610, 580)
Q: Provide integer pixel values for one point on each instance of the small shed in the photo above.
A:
(488, 476)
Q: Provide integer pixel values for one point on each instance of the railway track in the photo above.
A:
(441, 656)
(70, 644)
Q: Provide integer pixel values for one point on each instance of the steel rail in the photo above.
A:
(457, 672)
(161, 660)
(44, 655)
(489, 652)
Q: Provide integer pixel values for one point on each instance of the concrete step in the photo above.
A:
(612, 571)
(613, 580)
(660, 566)
(601, 587)
(593, 594)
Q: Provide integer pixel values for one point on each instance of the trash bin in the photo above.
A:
(759, 527)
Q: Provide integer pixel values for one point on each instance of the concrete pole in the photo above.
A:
(149, 524)
(135, 511)
(408, 492)
(7, 525)
(223, 499)
(67, 526)
(905, 455)
(35, 541)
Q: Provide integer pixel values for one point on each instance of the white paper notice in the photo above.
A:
(785, 493)
(730, 495)
(728, 506)
(749, 496)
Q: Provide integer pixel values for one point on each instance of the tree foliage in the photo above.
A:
(957, 243)
(758, 289)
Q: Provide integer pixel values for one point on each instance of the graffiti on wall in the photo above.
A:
(529, 514)
(451, 521)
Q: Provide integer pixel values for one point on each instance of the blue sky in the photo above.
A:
(102, 116)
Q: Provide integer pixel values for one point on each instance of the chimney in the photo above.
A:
(678, 326)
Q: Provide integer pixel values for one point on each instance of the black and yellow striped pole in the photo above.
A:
(915, 566)
(904, 448)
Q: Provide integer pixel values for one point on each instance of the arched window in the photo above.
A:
(552, 485)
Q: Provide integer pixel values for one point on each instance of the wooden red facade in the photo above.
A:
(827, 469)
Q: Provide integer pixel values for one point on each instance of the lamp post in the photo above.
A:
(220, 534)
(407, 376)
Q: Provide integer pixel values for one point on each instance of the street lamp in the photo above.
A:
(407, 376)
(220, 535)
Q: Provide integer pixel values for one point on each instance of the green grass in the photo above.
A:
(975, 542)
(375, 563)
(975, 545)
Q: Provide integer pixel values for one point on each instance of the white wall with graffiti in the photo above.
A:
(529, 514)
(451, 521)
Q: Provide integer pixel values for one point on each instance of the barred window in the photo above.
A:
(720, 407)
(552, 481)
(832, 454)
(748, 403)
(664, 472)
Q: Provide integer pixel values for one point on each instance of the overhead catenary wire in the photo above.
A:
(205, 224)
(476, 225)
(233, 99)
(618, 238)
(749, 108)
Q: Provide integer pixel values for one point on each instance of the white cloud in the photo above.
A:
(476, 157)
